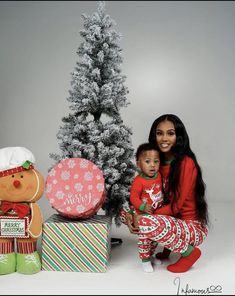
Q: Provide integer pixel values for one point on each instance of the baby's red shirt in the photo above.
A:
(142, 189)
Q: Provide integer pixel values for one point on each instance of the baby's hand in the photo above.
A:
(148, 209)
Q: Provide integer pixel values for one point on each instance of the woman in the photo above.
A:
(181, 225)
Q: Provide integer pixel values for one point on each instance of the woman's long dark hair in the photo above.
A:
(180, 150)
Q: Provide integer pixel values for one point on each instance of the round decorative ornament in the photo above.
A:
(75, 188)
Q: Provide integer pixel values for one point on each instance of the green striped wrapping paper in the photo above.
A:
(76, 245)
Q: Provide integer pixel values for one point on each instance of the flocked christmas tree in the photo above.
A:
(94, 129)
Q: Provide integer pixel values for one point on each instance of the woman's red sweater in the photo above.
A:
(185, 206)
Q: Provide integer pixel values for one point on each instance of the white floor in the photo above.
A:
(214, 272)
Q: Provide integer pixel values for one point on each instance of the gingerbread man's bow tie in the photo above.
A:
(21, 209)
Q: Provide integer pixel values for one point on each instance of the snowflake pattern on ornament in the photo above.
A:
(71, 164)
(78, 187)
(52, 172)
(84, 164)
(49, 188)
(100, 187)
(60, 194)
(75, 186)
(88, 176)
(65, 175)
(80, 209)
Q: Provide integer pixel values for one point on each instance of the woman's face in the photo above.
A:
(165, 136)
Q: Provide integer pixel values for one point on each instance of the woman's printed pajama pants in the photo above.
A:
(173, 233)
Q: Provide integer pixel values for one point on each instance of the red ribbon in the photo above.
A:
(15, 170)
(21, 209)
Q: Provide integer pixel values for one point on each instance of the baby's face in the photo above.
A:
(149, 162)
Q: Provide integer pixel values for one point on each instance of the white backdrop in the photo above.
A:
(178, 58)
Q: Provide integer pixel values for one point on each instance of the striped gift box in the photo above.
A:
(76, 245)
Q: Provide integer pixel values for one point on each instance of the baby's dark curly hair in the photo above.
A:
(145, 147)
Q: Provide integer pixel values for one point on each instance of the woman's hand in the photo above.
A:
(148, 209)
(130, 223)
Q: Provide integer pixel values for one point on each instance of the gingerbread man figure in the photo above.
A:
(21, 185)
